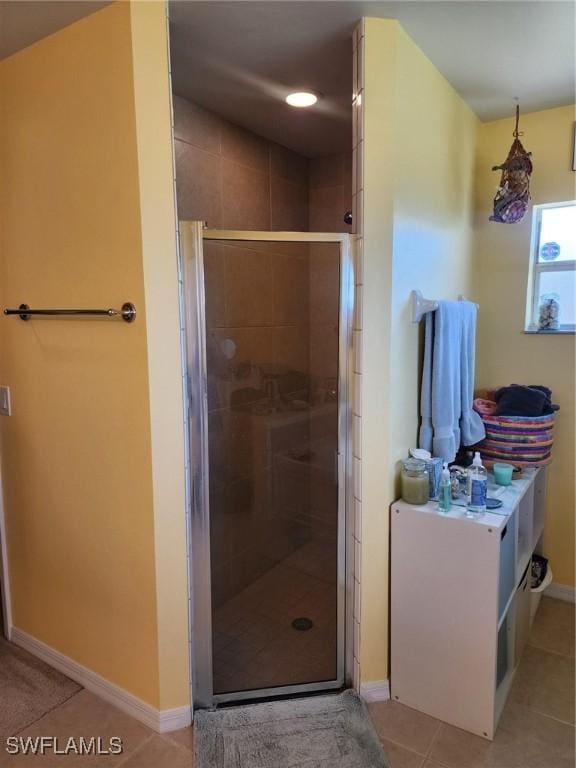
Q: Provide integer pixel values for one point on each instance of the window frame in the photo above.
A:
(537, 268)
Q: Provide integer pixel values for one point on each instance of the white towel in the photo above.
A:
(448, 419)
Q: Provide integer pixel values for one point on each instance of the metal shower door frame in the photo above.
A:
(192, 236)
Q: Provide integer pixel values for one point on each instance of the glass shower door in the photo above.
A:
(271, 440)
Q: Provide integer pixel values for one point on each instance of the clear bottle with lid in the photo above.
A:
(477, 489)
(445, 490)
(415, 486)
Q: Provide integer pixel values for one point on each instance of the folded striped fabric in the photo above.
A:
(519, 440)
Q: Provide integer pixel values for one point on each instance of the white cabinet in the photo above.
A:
(460, 603)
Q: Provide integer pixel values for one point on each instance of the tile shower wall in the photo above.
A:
(249, 343)
(357, 213)
(330, 192)
(232, 178)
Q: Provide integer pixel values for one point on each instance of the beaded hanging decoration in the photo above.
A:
(513, 194)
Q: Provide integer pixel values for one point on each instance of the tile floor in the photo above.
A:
(255, 644)
(537, 726)
(536, 731)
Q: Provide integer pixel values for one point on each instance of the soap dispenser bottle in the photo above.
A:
(445, 490)
(477, 488)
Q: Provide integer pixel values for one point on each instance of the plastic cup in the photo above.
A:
(503, 473)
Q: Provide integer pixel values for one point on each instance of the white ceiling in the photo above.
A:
(240, 58)
(23, 22)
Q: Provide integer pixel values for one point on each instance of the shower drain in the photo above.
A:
(302, 624)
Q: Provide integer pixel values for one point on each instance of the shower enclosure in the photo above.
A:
(268, 324)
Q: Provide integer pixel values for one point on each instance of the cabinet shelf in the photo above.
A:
(460, 606)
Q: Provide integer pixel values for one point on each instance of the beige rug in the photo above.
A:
(317, 732)
(28, 689)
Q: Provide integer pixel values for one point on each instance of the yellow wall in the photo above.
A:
(505, 353)
(419, 139)
(158, 219)
(95, 518)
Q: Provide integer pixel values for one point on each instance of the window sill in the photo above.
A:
(561, 332)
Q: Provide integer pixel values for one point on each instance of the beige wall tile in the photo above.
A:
(198, 185)
(327, 171)
(357, 481)
(357, 520)
(245, 147)
(358, 262)
(289, 205)
(357, 600)
(357, 394)
(357, 323)
(356, 675)
(291, 347)
(245, 197)
(357, 347)
(359, 185)
(288, 165)
(357, 565)
(214, 281)
(324, 283)
(248, 287)
(324, 350)
(357, 436)
(327, 209)
(290, 290)
(197, 126)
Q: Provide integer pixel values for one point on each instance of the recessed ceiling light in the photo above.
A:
(301, 99)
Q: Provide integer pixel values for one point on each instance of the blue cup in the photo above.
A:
(503, 473)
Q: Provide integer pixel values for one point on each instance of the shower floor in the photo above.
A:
(255, 645)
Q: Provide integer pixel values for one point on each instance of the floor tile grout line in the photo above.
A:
(548, 650)
(398, 743)
(431, 745)
(133, 752)
(168, 739)
(48, 711)
(550, 717)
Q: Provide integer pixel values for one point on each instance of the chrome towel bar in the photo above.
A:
(127, 313)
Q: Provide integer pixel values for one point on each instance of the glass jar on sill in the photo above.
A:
(414, 477)
(549, 312)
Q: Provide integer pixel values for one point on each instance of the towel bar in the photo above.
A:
(127, 312)
(420, 305)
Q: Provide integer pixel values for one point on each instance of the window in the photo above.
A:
(551, 306)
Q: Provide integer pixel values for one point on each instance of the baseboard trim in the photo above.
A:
(160, 721)
(379, 690)
(561, 592)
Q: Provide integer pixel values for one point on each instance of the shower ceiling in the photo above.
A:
(240, 59)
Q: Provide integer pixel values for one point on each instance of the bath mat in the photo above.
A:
(317, 732)
(28, 689)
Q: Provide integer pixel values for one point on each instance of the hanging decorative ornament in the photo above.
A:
(513, 194)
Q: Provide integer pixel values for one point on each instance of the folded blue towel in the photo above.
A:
(448, 418)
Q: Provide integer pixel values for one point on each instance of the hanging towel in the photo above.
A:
(448, 418)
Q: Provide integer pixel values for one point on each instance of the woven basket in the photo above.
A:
(520, 440)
